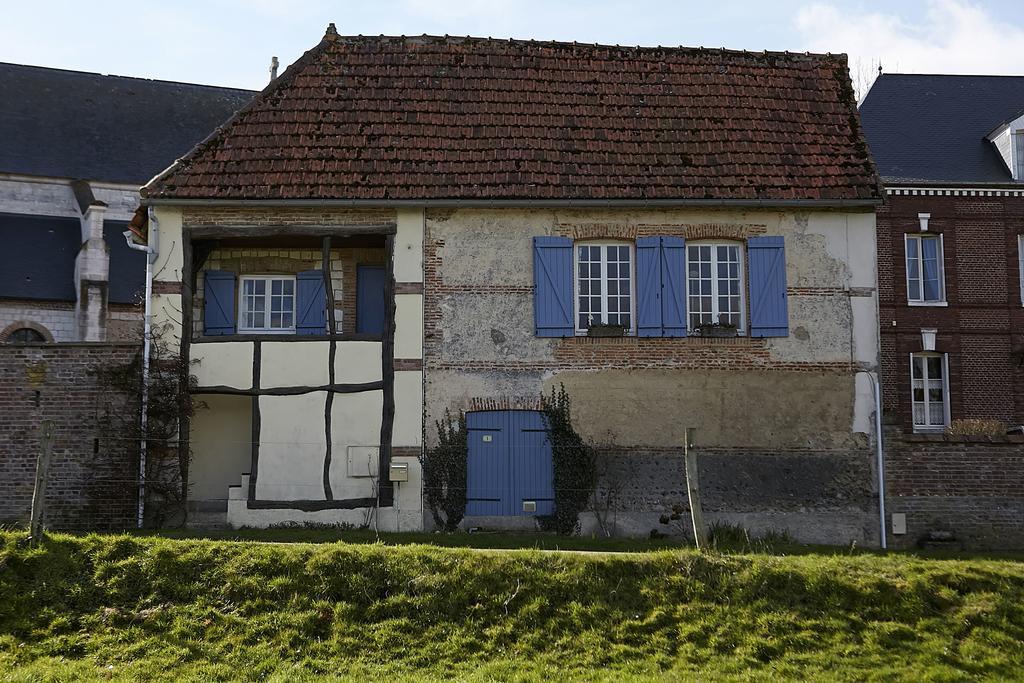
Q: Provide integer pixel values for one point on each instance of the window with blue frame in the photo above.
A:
(264, 304)
(925, 278)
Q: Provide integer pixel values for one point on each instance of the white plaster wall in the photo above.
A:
(408, 427)
(384, 519)
(408, 326)
(226, 364)
(357, 362)
(168, 262)
(409, 246)
(290, 364)
(221, 438)
(292, 447)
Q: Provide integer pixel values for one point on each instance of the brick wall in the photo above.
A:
(92, 474)
(977, 328)
(124, 322)
(972, 487)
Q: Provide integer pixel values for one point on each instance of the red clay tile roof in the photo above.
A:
(442, 118)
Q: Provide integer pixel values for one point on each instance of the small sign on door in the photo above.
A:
(488, 438)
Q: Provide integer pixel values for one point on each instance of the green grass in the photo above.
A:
(143, 608)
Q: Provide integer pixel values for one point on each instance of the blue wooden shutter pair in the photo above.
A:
(552, 287)
(219, 303)
(310, 303)
(661, 287)
(769, 310)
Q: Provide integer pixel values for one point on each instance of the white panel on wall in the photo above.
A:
(294, 364)
(226, 364)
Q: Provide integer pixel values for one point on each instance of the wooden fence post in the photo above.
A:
(700, 532)
(42, 472)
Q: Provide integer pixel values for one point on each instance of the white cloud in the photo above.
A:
(948, 36)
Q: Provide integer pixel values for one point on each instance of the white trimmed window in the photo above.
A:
(604, 284)
(925, 278)
(929, 386)
(714, 276)
(266, 304)
(1020, 264)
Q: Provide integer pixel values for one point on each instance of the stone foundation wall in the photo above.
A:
(970, 489)
(93, 475)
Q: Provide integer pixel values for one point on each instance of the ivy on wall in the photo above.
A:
(573, 460)
(444, 473)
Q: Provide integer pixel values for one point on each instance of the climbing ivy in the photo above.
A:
(575, 468)
(444, 473)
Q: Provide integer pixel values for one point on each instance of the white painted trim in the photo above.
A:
(1020, 265)
(266, 330)
(945, 392)
(907, 191)
(604, 279)
(907, 237)
(741, 330)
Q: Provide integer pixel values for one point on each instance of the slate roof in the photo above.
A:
(70, 124)
(38, 259)
(443, 118)
(932, 128)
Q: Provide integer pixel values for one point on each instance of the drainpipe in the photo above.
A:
(151, 249)
(877, 391)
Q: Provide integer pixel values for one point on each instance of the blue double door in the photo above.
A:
(509, 468)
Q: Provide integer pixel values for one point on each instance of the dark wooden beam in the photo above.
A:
(329, 401)
(188, 282)
(311, 505)
(206, 232)
(292, 338)
(290, 391)
(386, 489)
(254, 465)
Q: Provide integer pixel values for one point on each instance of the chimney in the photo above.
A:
(273, 69)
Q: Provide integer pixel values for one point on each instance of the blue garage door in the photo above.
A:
(509, 464)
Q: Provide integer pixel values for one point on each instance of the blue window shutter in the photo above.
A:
(769, 311)
(218, 302)
(673, 286)
(310, 303)
(648, 287)
(552, 287)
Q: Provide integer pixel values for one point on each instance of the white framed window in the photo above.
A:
(926, 283)
(1020, 265)
(929, 387)
(604, 284)
(714, 284)
(266, 304)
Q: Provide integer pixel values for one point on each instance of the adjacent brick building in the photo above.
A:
(950, 150)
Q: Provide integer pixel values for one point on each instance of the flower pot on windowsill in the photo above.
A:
(717, 330)
(602, 330)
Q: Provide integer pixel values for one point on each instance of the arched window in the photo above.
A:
(24, 335)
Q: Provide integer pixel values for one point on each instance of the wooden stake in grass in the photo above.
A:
(39, 492)
(700, 532)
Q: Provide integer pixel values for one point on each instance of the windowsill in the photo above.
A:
(927, 304)
(930, 430)
(252, 332)
(694, 340)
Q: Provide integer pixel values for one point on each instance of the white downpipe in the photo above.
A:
(880, 455)
(151, 254)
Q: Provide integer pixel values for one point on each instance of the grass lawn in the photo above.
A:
(142, 608)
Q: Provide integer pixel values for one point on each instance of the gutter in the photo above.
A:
(522, 203)
(152, 250)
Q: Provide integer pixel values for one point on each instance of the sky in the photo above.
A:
(231, 42)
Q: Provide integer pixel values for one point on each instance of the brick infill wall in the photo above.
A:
(93, 474)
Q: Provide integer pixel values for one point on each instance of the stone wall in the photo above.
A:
(785, 422)
(969, 487)
(93, 474)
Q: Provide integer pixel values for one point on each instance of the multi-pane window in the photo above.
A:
(924, 269)
(930, 390)
(714, 275)
(604, 285)
(267, 304)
